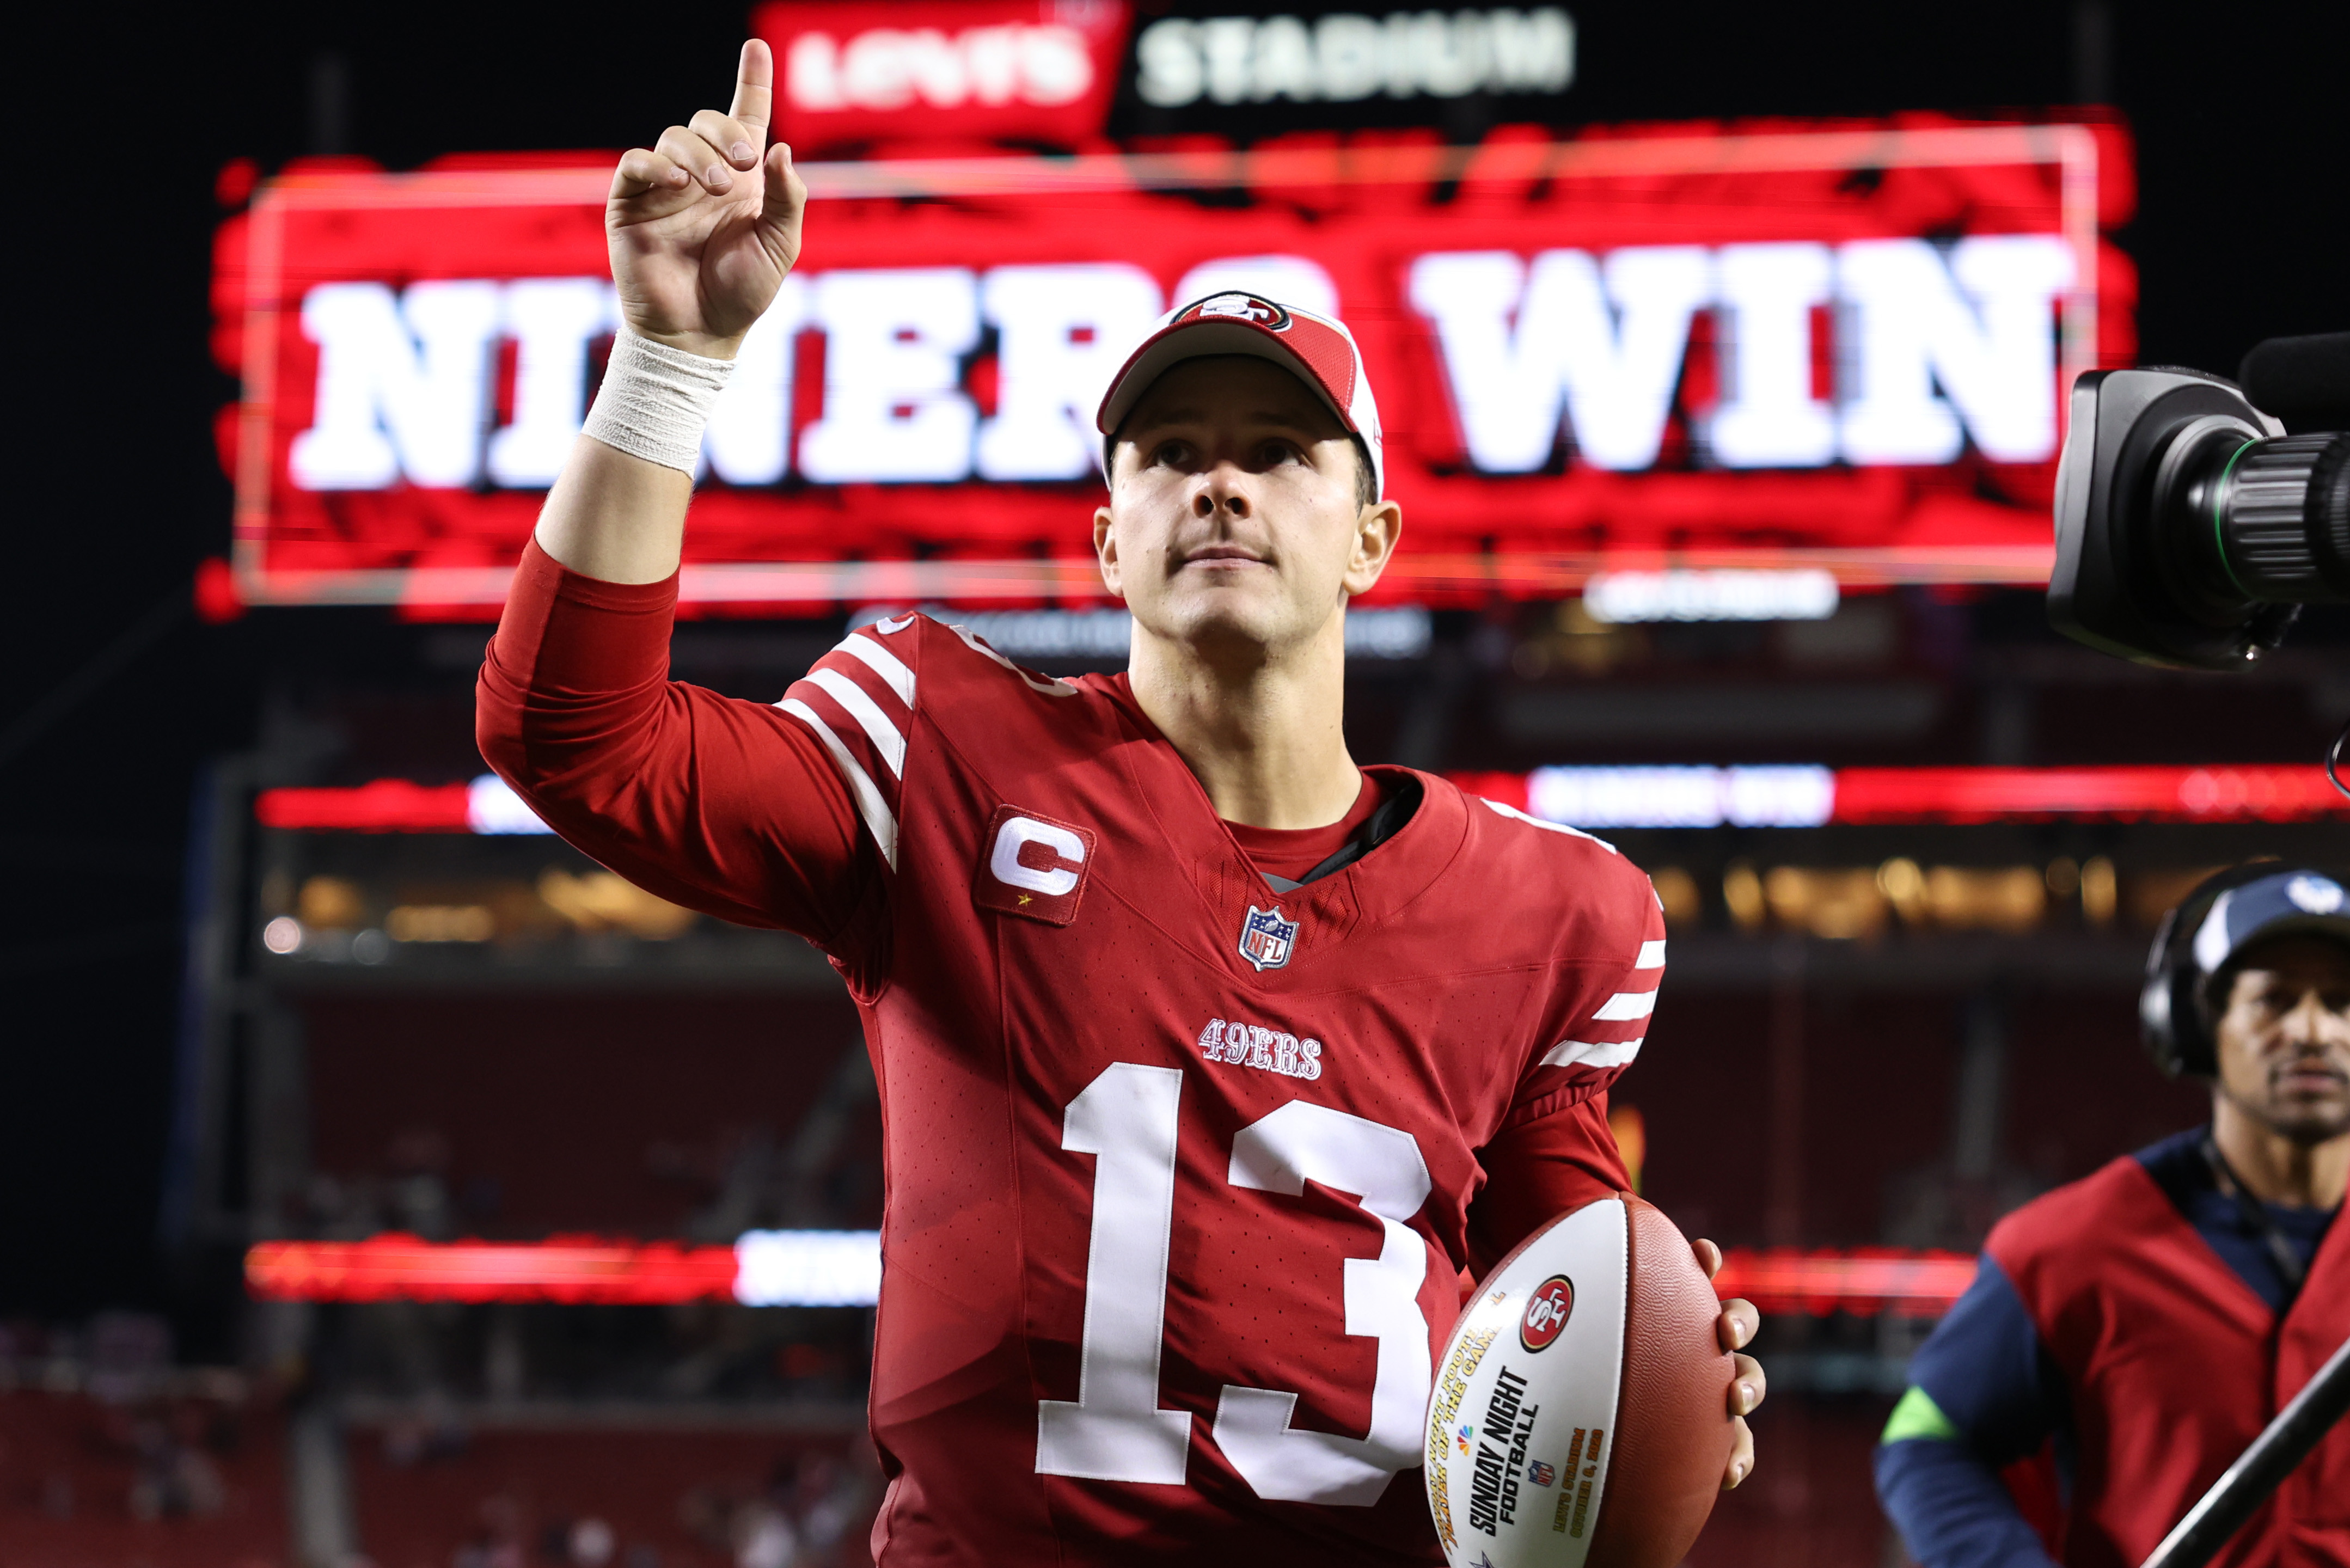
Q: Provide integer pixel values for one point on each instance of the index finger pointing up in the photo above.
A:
(754, 88)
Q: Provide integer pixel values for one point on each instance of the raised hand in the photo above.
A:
(703, 227)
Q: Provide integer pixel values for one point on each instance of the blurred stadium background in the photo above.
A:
(387, 1182)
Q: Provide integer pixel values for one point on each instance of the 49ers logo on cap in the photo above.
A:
(1244, 307)
(1547, 1311)
(1319, 351)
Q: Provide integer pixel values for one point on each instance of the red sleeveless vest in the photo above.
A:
(2174, 1365)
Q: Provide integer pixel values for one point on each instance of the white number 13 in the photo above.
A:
(1114, 1430)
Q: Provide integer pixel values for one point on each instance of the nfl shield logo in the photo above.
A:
(1266, 938)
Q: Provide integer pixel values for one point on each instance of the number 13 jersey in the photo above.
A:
(1179, 1167)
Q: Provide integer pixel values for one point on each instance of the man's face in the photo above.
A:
(1234, 520)
(2285, 1037)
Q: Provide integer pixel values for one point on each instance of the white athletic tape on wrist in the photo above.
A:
(655, 399)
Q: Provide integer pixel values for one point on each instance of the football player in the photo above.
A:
(1208, 1060)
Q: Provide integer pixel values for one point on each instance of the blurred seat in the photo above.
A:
(165, 1483)
(665, 1498)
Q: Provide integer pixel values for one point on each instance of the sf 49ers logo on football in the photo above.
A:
(1031, 865)
(1247, 307)
(1267, 940)
(1546, 1312)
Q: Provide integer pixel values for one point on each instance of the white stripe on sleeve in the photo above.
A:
(1627, 1004)
(867, 713)
(1652, 956)
(1591, 1053)
(869, 803)
(882, 662)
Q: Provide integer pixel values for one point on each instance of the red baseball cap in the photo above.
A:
(1319, 351)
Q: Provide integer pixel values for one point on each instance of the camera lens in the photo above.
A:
(2283, 514)
(2255, 519)
(2193, 521)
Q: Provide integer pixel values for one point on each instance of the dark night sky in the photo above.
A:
(124, 125)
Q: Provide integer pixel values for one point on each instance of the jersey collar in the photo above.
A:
(1413, 849)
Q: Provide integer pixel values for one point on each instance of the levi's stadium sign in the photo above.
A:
(1832, 347)
(884, 70)
(1345, 57)
(1044, 72)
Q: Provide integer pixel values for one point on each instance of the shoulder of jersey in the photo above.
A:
(919, 663)
(1504, 832)
(1551, 867)
(860, 699)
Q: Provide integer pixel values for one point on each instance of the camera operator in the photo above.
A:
(2136, 1329)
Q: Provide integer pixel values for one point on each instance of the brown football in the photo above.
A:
(1581, 1414)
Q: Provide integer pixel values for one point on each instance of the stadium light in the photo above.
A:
(1723, 593)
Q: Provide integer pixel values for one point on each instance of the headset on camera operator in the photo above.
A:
(2133, 1331)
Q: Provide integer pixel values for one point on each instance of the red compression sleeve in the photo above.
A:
(718, 804)
(1536, 1171)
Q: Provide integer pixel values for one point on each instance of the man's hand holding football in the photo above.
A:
(1736, 1327)
(704, 225)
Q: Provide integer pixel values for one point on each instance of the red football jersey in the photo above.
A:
(1180, 1167)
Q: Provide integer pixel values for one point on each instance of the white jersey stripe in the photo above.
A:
(1547, 826)
(1627, 1004)
(1049, 685)
(882, 662)
(1652, 956)
(868, 714)
(1592, 1053)
(869, 803)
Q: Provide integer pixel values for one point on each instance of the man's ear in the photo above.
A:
(1106, 552)
(1377, 530)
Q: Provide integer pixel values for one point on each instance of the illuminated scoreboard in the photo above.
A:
(1835, 347)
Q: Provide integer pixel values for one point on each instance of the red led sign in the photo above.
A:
(578, 1270)
(1832, 347)
(571, 1270)
(1677, 795)
(901, 70)
(1806, 795)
